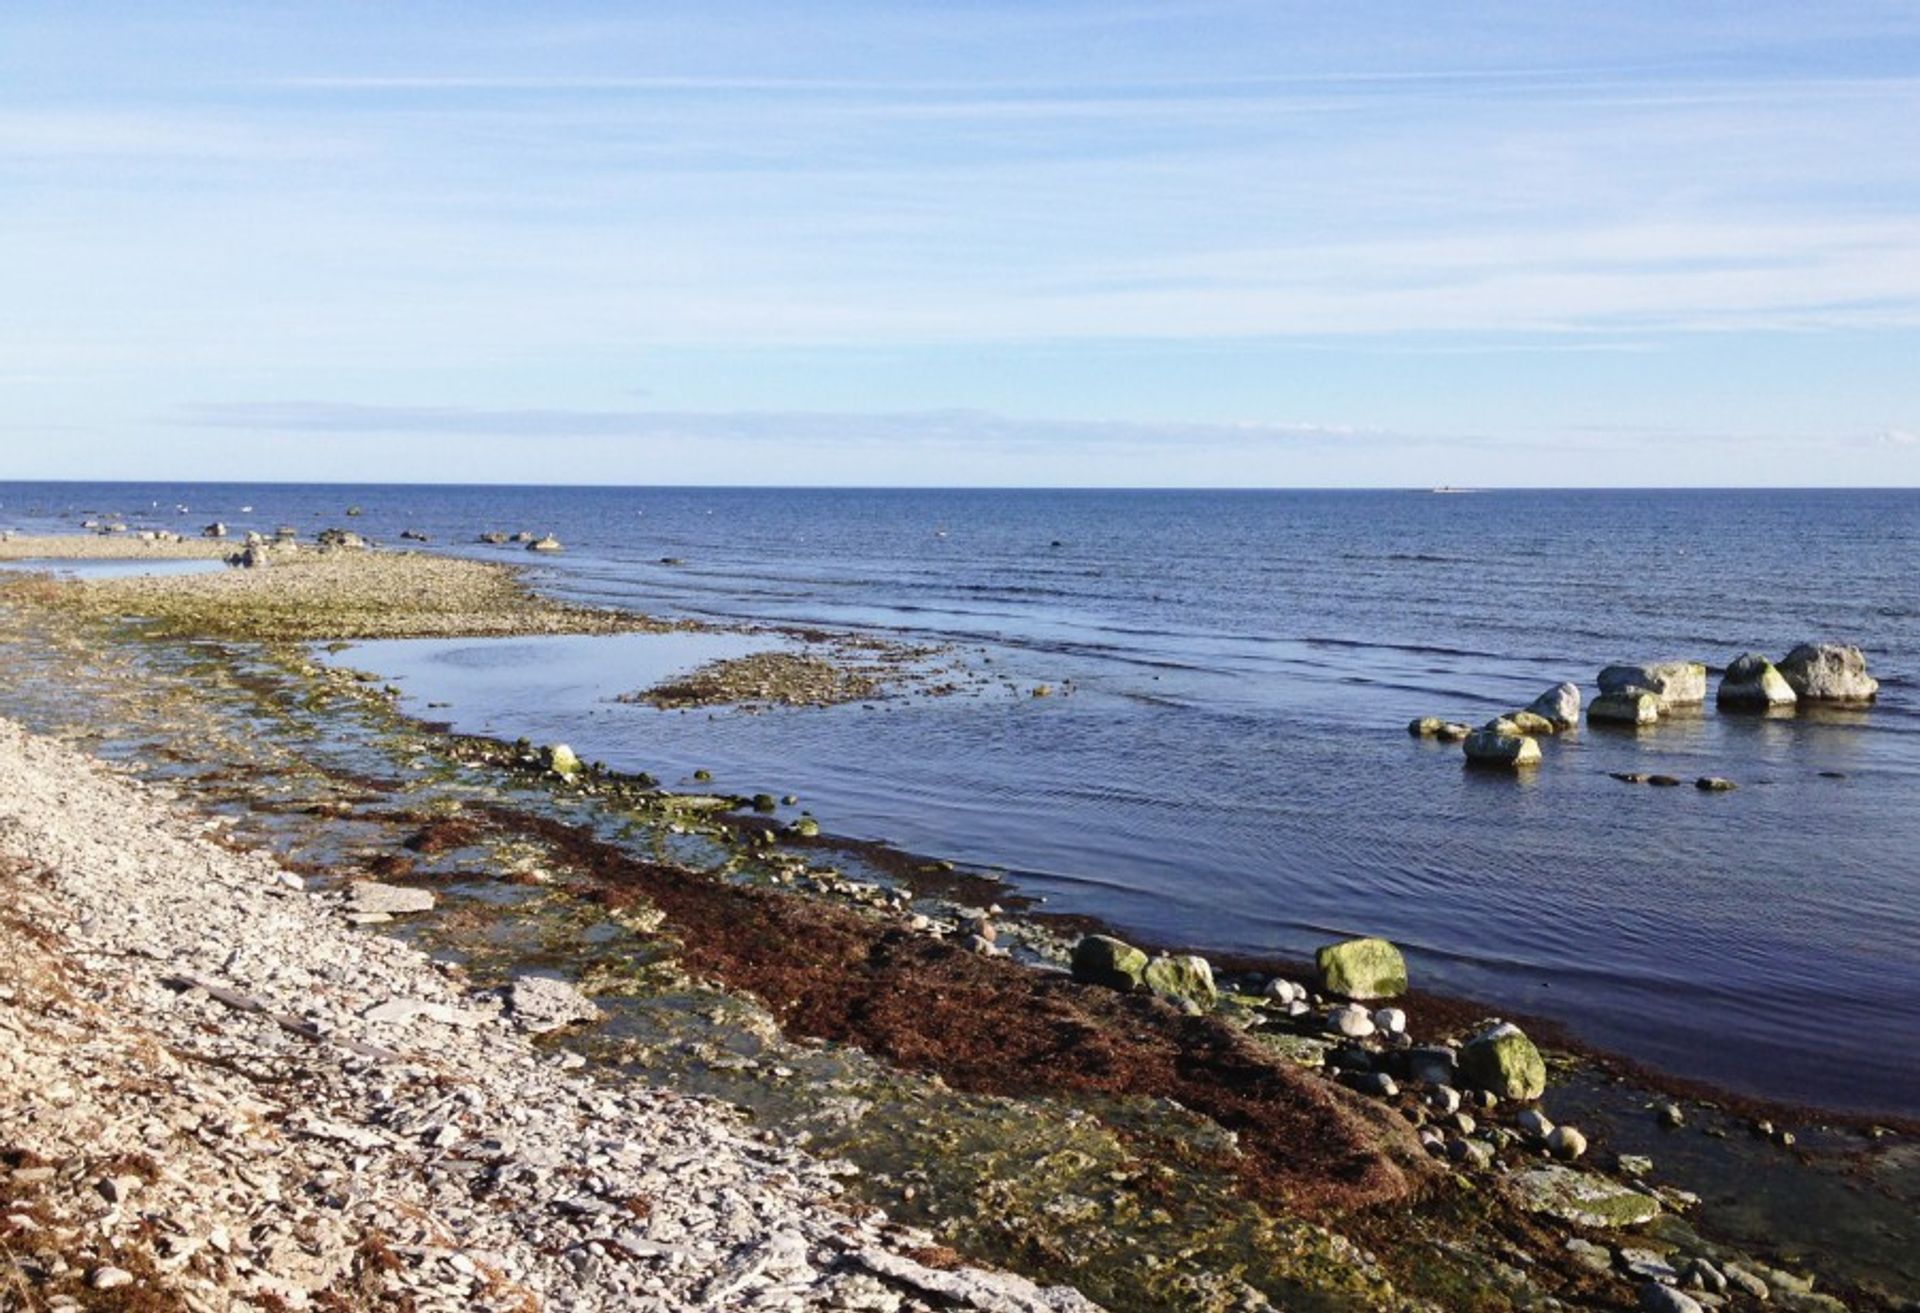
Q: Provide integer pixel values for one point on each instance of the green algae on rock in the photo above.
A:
(1504, 1062)
(1114, 963)
(1362, 969)
(1582, 1198)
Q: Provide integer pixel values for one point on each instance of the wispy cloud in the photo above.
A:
(923, 428)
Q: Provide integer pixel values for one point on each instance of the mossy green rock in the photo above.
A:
(1104, 960)
(1362, 969)
(1182, 977)
(1502, 1060)
(1582, 1198)
(1530, 722)
(560, 759)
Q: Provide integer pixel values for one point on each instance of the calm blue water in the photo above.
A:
(1232, 769)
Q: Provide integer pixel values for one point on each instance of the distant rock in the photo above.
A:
(1829, 672)
(340, 540)
(1560, 705)
(1630, 706)
(1752, 683)
(253, 556)
(1362, 969)
(493, 538)
(1504, 1062)
(547, 544)
(1675, 683)
(214, 530)
(561, 760)
(1714, 784)
(1114, 963)
(1501, 745)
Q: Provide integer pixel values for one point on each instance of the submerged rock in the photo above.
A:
(1752, 683)
(1829, 672)
(1581, 1197)
(1633, 706)
(1182, 978)
(1114, 963)
(540, 1003)
(1674, 683)
(1559, 705)
(1362, 969)
(1503, 1061)
(1501, 745)
(549, 543)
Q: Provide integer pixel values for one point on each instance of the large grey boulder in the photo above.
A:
(1675, 683)
(1829, 672)
(1559, 704)
(1752, 684)
(1502, 746)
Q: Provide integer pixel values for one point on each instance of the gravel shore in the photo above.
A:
(218, 1093)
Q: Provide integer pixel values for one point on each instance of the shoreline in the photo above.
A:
(930, 962)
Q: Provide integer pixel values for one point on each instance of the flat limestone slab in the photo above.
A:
(1582, 1198)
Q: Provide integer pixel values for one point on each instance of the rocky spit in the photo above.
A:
(217, 1092)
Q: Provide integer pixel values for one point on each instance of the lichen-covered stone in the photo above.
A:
(1362, 969)
(1114, 963)
(1502, 1060)
(1632, 706)
(1181, 977)
(560, 759)
(1582, 1198)
(1675, 683)
(1530, 722)
(1559, 705)
(1829, 672)
(1501, 745)
(1752, 683)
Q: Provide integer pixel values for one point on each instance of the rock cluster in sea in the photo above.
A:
(1639, 696)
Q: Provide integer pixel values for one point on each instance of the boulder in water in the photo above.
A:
(1829, 672)
(1752, 683)
(1675, 683)
(547, 544)
(1362, 969)
(1629, 706)
(1530, 722)
(1560, 705)
(1502, 745)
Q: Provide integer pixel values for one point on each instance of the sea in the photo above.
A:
(1223, 762)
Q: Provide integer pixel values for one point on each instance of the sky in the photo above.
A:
(970, 242)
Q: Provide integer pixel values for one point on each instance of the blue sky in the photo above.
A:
(978, 243)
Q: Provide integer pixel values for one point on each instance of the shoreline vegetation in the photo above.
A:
(1217, 1136)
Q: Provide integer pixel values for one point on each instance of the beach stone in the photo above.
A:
(1560, 705)
(1829, 672)
(214, 530)
(1445, 1099)
(1714, 784)
(1390, 1021)
(1748, 1284)
(1529, 722)
(1634, 706)
(1674, 683)
(1657, 1298)
(1432, 1064)
(1426, 727)
(110, 1278)
(1114, 963)
(1351, 1020)
(1376, 1084)
(1362, 969)
(371, 898)
(340, 540)
(1182, 977)
(541, 1003)
(1581, 1197)
(1281, 990)
(1535, 1123)
(1566, 1142)
(1504, 1062)
(1752, 683)
(548, 543)
(1501, 745)
(1471, 1153)
(560, 759)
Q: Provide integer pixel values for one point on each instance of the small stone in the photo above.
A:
(1351, 1020)
(1738, 1278)
(1445, 1099)
(1670, 1115)
(1566, 1142)
(1535, 1123)
(1714, 784)
(1375, 1083)
(370, 898)
(110, 1278)
(1282, 991)
(1656, 1298)
(1390, 1021)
